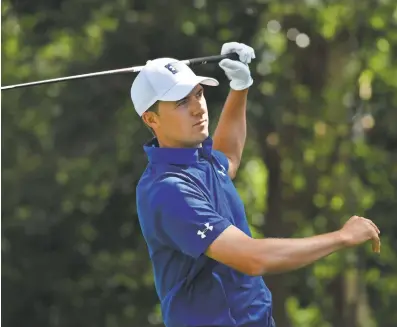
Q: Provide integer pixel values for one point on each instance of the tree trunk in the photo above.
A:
(274, 227)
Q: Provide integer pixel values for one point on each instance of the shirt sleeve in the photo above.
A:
(185, 217)
(221, 158)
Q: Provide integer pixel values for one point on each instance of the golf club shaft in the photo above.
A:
(136, 69)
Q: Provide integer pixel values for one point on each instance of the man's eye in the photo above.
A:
(200, 93)
(182, 102)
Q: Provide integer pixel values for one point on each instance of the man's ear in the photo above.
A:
(150, 119)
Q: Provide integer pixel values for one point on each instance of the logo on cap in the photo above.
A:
(171, 68)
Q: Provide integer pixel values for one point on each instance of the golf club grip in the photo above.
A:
(212, 59)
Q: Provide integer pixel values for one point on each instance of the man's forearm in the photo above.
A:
(280, 255)
(231, 131)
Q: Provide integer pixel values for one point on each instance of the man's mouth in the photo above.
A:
(200, 122)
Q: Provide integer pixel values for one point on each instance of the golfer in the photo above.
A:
(207, 268)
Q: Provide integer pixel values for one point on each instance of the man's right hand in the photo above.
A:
(358, 230)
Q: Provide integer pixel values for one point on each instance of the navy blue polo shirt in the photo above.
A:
(185, 200)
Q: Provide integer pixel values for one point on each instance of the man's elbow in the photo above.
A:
(253, 262)
(232, 174)
(254, 271)
(267, 266)
(260, 265)
(233, 168)
(255, 267)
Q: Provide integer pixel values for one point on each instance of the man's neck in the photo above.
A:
(166, 143)
(169, 144)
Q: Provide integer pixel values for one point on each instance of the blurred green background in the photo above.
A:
(321, 146)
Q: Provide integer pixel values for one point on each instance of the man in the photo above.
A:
(207, 267)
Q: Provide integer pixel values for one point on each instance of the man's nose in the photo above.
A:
(198, 108)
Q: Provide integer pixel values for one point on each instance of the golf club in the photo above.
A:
(136, 69)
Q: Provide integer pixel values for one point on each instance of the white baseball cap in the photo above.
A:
(164, 79)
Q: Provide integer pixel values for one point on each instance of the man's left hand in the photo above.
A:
(238, 72)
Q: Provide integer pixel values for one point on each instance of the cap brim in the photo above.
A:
(183, 88)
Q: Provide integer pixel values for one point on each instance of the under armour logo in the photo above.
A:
(171, 68)
(222, 172)
(208, 227)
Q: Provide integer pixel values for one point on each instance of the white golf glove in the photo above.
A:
(238, 72)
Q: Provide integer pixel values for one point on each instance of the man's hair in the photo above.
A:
(155, 109)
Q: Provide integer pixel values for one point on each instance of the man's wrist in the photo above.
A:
(238, 86)
(241, 92)
(342, 238)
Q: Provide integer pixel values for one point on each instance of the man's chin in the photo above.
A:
(204, 135)
(198, 139)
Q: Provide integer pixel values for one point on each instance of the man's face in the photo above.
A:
(182, 123)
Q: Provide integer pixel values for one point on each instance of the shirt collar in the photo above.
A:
(177, 156)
